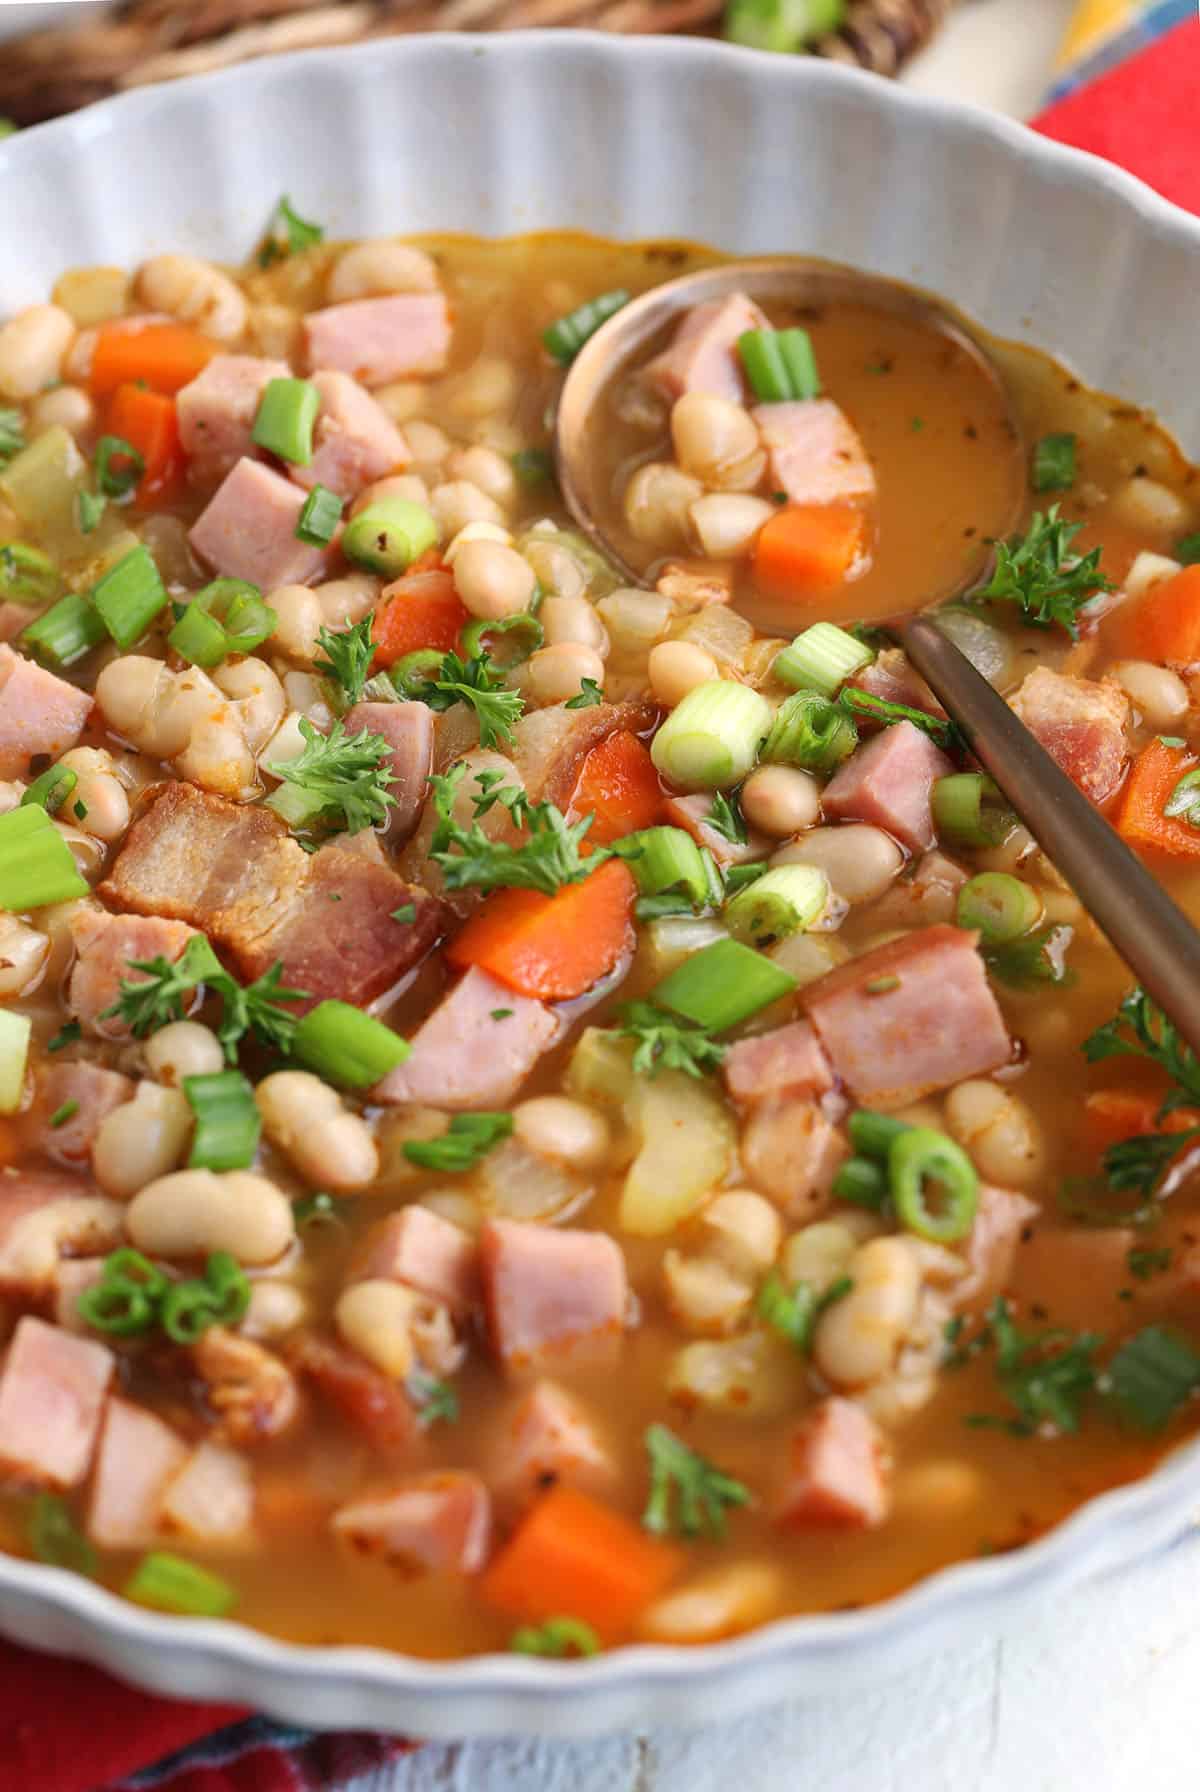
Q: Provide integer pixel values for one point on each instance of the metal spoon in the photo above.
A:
(1149, 931)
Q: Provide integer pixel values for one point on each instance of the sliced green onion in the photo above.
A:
(286, 416)
(1187, 549)
(921, 1156)
(415, 670)
(467, 1139)
(484, 637)
(26, 574)
(533, 466)
(810, 732)
(566, 337)
(556, 1637)
(723, 985)
(863, 1181)
(56, 1539)
(968, 810)
(15, 1033)
(821, 659)
(781, 25)
(68, 629)
(51, 790)
(739, 877)
(780, 903)
(227, 616)
(711, 739)
(780, 365)
(872, 1134)
(1184, 801)
(130, 596)
(1054, 463)
(117, 481)
(387, 536)
(89, 508)
(228, 1123)
(667, 859)
(998, 906)
(221, 1297)
(344, 1045)
(319, 518)
(36, 866)
(170, 1584)
(126, 1299)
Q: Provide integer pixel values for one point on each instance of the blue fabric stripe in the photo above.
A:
(1159, 19)
(222, 1746)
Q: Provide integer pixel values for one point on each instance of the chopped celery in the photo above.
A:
(723, 985)
(821, 659)
(781, 902)
(711, 739)
(43, 482)
(686, 1137)
(601, 1067)
(15, 1031)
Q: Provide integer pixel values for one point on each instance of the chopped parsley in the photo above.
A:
(1140, 1029)
(436, 1401)
(61, 1115)
(287, 234)
(1038, 572)
(1054, 463)
(589, 696)
(545, 861)
(688, 1496)
(339, 779)
(477, 682)
(1045, 1375)
(70, 1033)
(665, 1042)
(1146, 1263)
(468, 1138)
(557, 1637)
(348, 655)
(159, 996)
(793, 1312)
(406, 914)
(501, 1013)
(725, 818)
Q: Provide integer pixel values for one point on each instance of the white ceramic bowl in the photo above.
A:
(658, 139)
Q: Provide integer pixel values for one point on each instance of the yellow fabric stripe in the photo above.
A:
(1093, 22)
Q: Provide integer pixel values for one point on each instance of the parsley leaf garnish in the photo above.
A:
(725, 818)
(475, 681)
(1140, 1029)
(468, 1138)
(857, 702)
(348, 655)
(1145, 1263)
(1045, 1375)
(12, 434)
(1152, 1375)
(557, 1638)
(1054, 463)
(793, 1312)
(688, 1495)
(339, 778)
(547, 860)
(161, 995)
(287, 234)
(589, 696)
(436, 1401)
(667, 1043)
(1039, 572)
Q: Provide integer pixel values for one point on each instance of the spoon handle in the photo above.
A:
(1153, 936)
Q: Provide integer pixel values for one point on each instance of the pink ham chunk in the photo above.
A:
(211, 1498)
(73, 1278)
(46, 1216)
(104, 946)
(377, 340)
(1001, 1218)
(786, 1061)
(248, 530)
(85, 1094)
(354, 442)
(703, 356)
(692, 812)
(408, 731)
(892, 677)
(548, 1440)
(814, 452)
(14, 618)
(137, 1457)
(426, 1252)
(40, 715)
(888, 782)
(838, 1475)
(51, 1400)
(915, 1015)
(216, 413)
(466, 1057)
(792, 1151)
(438, 1523)
(1082, 726)
(548, 1289)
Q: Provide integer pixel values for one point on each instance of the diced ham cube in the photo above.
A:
(838, 1474)
(216, 413)
(439, 1523)
(383, 339)
(354, 442)
(792, 1151)
(786, 1061)
(703, 355)
(1000, 1219)
(136, 1459)
(1082, 726)
(378, 1409)
(85, 1093)
(44, 1216)
(52, 1393)
(40, 715)
(426, 1252)
(248, 530)
(104, 946)
(547, 1289)
(549, 1438)
(888, 782)
(915, 1015)
(408, 730)
(814, 452)
(211, 1499)
(475, 1050)
(691, 813)
(14, 618)
(891, 677)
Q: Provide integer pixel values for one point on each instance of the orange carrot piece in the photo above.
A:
(552, 947)
(422, 609)
(1165, 624)
(805, 549)
(161, 356)
(1140, 819)
(572, 1556)
(147, 421)
(619, 786)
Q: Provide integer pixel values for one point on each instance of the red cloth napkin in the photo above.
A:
(65, 1727)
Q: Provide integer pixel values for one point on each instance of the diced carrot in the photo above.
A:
(1110, 1116)
(422, 609)
(571, 1555)
(147, 421)
(161, 356)
(805, 549)
(1165, 624)
(1140, 819)
(619, 786)
(552, 947)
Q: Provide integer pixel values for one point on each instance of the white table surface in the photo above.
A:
(1098, 1692)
